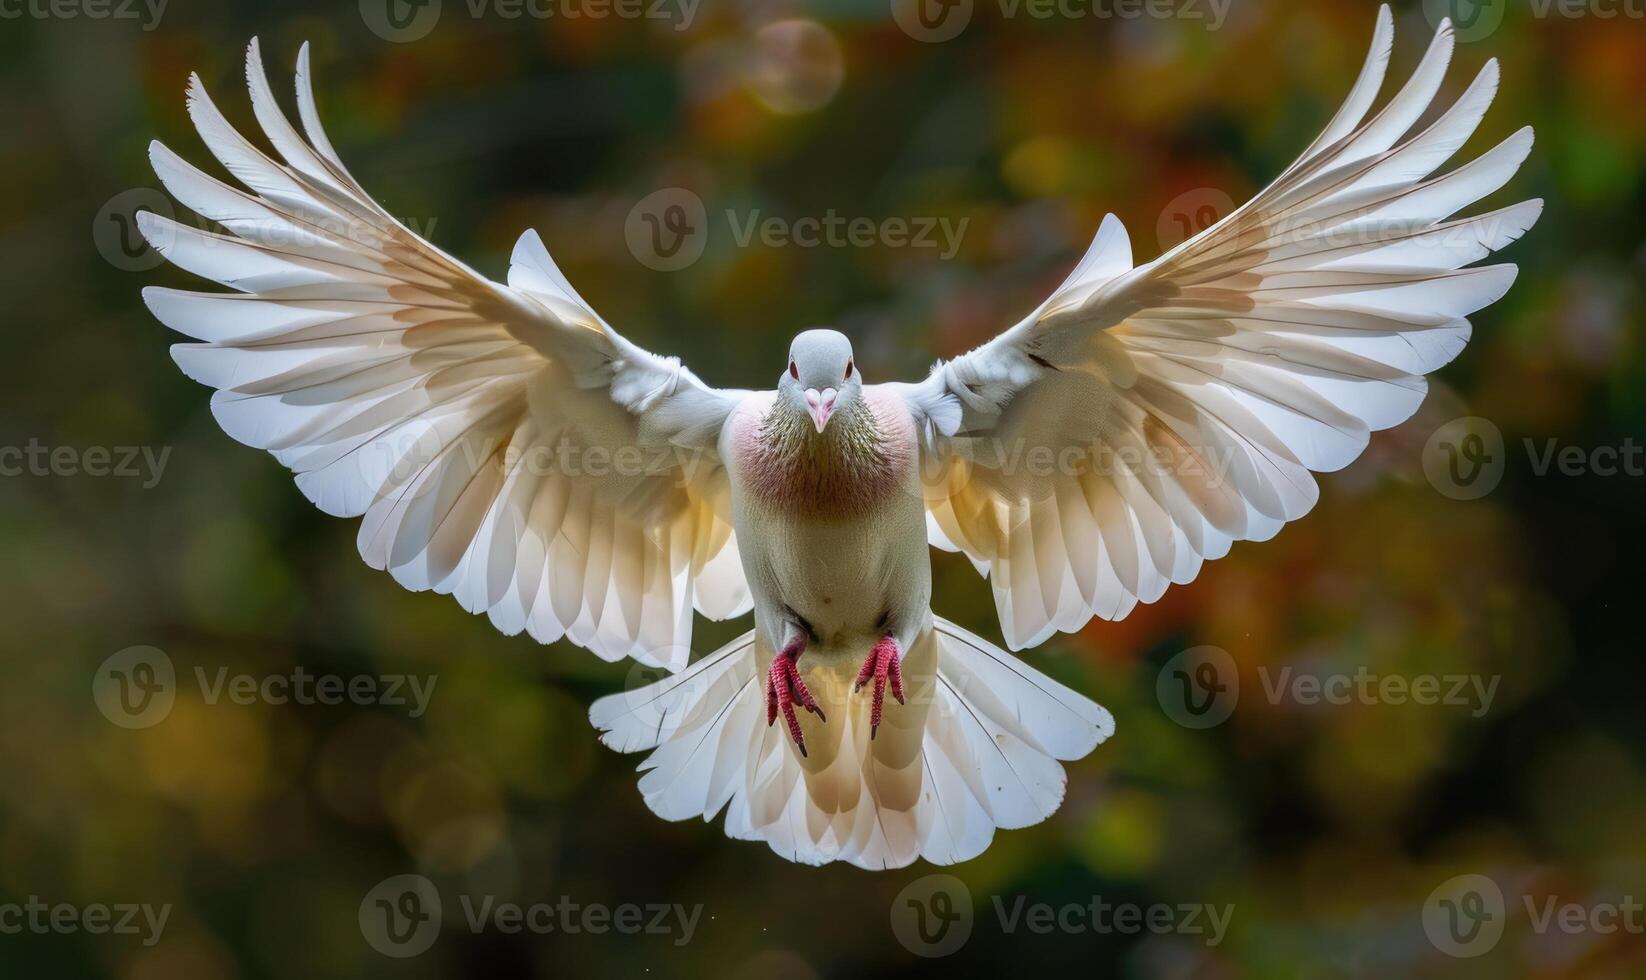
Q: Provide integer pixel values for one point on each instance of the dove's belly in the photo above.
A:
(850, 580)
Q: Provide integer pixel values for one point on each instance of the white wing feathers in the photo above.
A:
(502, 444)
(1142, 419)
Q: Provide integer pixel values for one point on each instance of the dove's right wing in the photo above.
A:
(502, 442)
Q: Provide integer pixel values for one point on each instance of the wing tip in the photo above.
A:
(152, 227)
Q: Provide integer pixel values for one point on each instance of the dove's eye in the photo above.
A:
(848, 374)
(794, 372)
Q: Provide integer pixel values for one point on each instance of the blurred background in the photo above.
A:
(1333, 834)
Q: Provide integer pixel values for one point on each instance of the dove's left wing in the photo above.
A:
(1142, 419)
(502, 443)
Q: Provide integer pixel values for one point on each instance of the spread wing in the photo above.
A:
(1142, 419)
(502, 443)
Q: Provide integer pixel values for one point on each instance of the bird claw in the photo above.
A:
(784, 687)
(883, 666)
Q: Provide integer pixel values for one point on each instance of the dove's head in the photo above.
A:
(822, 378)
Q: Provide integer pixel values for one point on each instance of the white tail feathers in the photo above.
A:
(995, 731)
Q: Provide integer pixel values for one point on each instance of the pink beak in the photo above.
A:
(821, 405)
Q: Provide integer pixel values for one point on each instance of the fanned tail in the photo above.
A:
(993, 733)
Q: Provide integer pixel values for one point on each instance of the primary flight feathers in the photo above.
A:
(402, 386)
(1265, 347)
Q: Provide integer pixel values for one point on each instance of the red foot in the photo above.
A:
(784, 687)
(882, 665)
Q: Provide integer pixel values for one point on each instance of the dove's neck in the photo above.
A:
(843, 470)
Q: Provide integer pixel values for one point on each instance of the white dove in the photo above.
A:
(507, 446)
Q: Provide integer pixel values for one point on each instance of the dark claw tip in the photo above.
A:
(802, 747)
(873, 731)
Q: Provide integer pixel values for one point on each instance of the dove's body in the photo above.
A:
(834, 523)
(502, 443)
(835, 532)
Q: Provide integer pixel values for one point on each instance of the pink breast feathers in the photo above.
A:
(854, 465)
